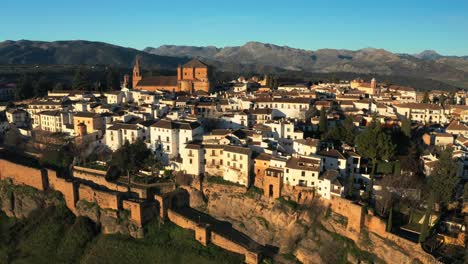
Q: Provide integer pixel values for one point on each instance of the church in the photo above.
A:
(192, 77)
(368, 88)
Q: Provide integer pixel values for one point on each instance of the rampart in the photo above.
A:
(24, 175)
(104, 199)
(204, 233)
(106, 195)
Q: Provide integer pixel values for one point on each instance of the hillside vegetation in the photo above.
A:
(54, 235)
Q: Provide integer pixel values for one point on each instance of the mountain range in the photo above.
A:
(253, 57)
(428, 64)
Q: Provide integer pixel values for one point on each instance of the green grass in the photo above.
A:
(288, 203)
(54, 235)
(348, 246)
(392, 167)
(95, 166)
(163, 244)
(220, 180)
(253, 192)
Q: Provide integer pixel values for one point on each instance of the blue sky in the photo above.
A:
(408, 26)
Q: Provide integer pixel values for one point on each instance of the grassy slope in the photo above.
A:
(55, 236)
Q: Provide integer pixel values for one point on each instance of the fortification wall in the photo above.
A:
(140, 212)
(180, 220)
(23, 175)
(98, 177)
(204, 234)
(103, 199)
(66, 187)
(376, 225)
(352, 211)
(227, 244)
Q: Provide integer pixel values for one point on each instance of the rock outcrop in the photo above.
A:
(110, 221)
(307, 232)
(19, 201)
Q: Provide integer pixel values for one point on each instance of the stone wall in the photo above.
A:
(352, 211)
(375, 225)
(141, 212)
(204, 234)
(66, 187)
(23, 175)
(104, 199)
(180, 220)
(83, 188)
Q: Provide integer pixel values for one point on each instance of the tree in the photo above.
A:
(42, 86)
(57, 156)
(81, 80)
(272, 82)
(13, 139)
(426, 99)
(310, 113)
(444, 178)
(131, 157)
(25, 88)
(424, 232)
(442, 99)
(323, 121)
(375, 145)
(465, 192)
(351, 184)
(112, 80)
(390, 221)
(349, 130)
(406, 127)
(58, 87)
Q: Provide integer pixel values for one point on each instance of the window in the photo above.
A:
(190, 161)
(303, 173)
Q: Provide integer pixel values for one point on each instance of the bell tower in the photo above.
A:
(136, 73)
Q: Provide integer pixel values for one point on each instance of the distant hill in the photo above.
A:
(79, 52)
(428, 65)
(425, 71)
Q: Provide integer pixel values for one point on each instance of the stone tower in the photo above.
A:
(373, 83)
(136, 73)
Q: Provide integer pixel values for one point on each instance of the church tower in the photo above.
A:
(373, 83)
(136, 73)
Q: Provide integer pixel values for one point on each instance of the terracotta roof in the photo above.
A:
(419, 106)
(158, 81)
(169, 124)
(456, 126)
(86, 114)
(237, 149)
(118, 126)
(195, 63)
(264, 156)
(308, 141)
(302, 163)
(332, 153)
(329, 175)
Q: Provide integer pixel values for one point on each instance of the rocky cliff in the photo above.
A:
(309, 233)
(20, 201)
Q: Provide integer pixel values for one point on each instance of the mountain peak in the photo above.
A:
(428, 55)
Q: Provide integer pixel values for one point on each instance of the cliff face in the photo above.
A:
(308, 232)
(111, 222)
(21, 201)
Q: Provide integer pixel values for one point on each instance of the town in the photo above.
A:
(379, 158)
